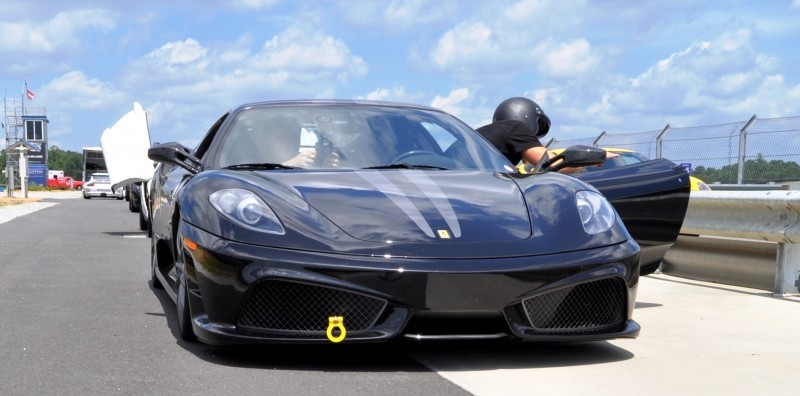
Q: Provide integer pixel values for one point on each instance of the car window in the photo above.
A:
(362, 136)
(624, 158)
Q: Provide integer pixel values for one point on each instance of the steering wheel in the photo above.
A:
(413, 153)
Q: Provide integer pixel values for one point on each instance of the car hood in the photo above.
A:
(404, 213)
(414, 205)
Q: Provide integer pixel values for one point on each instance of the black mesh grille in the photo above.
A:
(585, 308)
(300, 307)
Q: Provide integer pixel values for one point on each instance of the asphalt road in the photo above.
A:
(79, 318)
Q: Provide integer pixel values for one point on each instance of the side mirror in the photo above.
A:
(575, 157)
(176, 154)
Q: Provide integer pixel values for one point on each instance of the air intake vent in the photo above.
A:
(279, 305)
(586, 308)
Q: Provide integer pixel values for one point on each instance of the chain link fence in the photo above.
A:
(757, 151)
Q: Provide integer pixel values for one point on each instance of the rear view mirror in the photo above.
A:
(176, 154)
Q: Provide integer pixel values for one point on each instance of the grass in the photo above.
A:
(5, 200)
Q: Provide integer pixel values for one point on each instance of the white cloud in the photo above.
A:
(399, 14)
(499, 41)
(254, 4)
(709, 69)
(179, 53)
(601, 107)
(74, 90)
(722, 78)
(772, 98)
(570, 59)
(183, 83)
(452, 102)
(397, 93)
(301, 49)
(524, 10)
(467, 42)
(68, 97)
(299, 62)
(62, 31)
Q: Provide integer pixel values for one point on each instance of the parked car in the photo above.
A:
(136, 195)
(99, 185)
(64, 183)
(134, 200)
(405, 224)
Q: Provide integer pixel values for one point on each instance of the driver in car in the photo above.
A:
(287, 136)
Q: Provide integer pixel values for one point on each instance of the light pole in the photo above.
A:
(23, 169)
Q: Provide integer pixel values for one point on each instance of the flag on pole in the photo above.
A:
(28, 92)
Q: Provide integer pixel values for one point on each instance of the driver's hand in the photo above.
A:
(333, 161)
(303, 159)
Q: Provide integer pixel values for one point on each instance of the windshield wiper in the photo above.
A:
(262, 165)
(405, 166)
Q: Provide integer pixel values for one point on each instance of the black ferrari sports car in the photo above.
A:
(349, 221)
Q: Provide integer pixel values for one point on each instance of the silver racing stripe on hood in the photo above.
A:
(391, 191)
(437, 197)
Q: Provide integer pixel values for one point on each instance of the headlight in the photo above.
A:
(597, 214)
(245, 208)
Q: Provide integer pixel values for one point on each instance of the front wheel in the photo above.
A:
(184, 315)
(154, 281)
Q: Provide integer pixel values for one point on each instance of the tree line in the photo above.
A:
(71, 162)
(756, 171)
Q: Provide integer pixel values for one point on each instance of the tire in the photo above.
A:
(154, 281)
(182, 310)
(142, 222)
(86, 196)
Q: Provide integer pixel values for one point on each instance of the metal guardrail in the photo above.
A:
(741, 238)
(748, 187)
(755, 187)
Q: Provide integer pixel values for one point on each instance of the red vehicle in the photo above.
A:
(64, 183)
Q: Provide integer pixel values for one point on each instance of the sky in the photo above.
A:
(605, 65)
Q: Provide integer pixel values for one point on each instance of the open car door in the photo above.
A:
(651, 197)
(125, 148)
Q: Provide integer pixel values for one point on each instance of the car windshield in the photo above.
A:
(360, 135)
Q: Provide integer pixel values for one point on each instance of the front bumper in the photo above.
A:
(242, 293)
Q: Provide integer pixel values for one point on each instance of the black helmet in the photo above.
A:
(525, 110)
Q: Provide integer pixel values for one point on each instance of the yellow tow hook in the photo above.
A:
(336, 322)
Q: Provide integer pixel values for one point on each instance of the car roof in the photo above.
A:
(334, 102)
